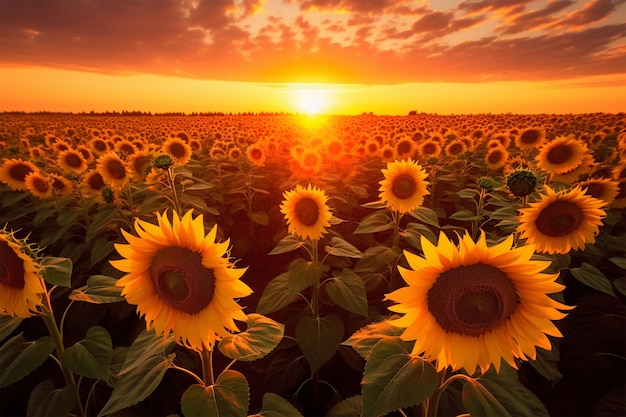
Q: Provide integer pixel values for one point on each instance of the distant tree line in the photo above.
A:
(146, 113)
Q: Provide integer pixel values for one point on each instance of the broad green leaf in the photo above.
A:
(302, 275)
(464, 215)
(91, 357)
(546, 363)
(319, 338)
(46, 401)
(147, 345)
(374, 205)
(426, 215)
(274, 405)
(100, 289)
(276, 295)
(511, 393)
(7, 325)
(395, 379)
(19, 357)
(364, 339)
(287, 244)
(137, 384)
(259, 217)
(260, 338)
(349, 407)
(339, 247)
(480, 402)
(228, 397)
(101, 249)
(347, 290)
(378, 221)
(593, 277)
(57, 271)
(619, 261)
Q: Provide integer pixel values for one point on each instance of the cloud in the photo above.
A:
(371, 41)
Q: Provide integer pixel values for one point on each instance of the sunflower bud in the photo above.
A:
(486, 183)
(521, 182)
(163, 161)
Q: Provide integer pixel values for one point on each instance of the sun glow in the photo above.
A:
(311, 101)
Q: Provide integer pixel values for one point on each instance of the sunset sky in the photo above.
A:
(327, 56)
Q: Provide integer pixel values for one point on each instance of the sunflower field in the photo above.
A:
(291, 265)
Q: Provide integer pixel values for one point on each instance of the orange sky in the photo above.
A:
(329, 56)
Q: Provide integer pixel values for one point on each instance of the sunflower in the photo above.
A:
(561, 221)
(404, 186)
(334, 150)
(60, 184)
(429, 147)
(72, 160)
(92, 184)
(561, 155)
(20, 284)
(13, 173)
(531, 137)
(388, 153)
(182, 280)
(178, 148)
(126, 147)
(310, 160)
(604, 189)
(139, 163)
(113, 170)
(256, 154)
(455, 147)
(473, 305)
(571, 176)
(98, 145)
(406, 148)
(234, 154)
(372, 148)
(306, 212)
(39, 185)
(496, 157)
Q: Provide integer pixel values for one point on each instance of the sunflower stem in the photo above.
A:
(432, 404)
(315, 288)
(53, 329)
(207, 366)
(395, 244)
(171, 183)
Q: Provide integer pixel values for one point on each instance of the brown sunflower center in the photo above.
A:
(404, 186)
(96, 182)
(471, 300)
(116, 169)
(19, 171)
(595, 190)
(429, 149)
(177, 150)
(495, 156)
(41, 185)
(256, 154)
(559, 218)
(529, 136)
(559, 154)
(307, 211)
(73, 160)
(181, 280)
(455, 149)
(11, 267)
(404, 147)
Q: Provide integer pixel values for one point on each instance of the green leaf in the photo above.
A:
(394, 379)
(19, 357)
(287, 244)
(144, 367)
(511, 394)
(46, 401)
(593, 277)
(378, 221)
(91, 357)
(276, 295)
(302, 274)
(228, 397)
(7, 325)
(339, 247)
(464, 215)
(426, 215)
(260, 338)
(100, 289)
(546, 363)
(364, 339)
(57, 271)
(259, 217)
(480, 402)
(101, 249)
(619, 261)
(347, 290)
(349, 407)
(276, 406)
(319, 338)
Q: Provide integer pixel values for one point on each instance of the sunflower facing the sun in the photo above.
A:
(561, 221)
(306, 212)
(404, 186)
(472, 305)
(181, 280)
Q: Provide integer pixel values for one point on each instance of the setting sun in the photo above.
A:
(311, 101)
